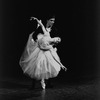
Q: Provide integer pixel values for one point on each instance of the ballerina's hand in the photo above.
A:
(57, 39)
(33, 18)
(39, 21)
(64, 68)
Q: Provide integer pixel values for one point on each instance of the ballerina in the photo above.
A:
(40, 59)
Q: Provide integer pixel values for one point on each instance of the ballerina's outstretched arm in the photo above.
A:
(36, 20)
(40, 24)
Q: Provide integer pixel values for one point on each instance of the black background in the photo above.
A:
(77, 23)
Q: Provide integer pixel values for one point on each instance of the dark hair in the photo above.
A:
(50, 16)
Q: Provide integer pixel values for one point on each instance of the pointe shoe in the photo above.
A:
(43, 84)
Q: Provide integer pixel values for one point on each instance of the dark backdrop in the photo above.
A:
(76, 23)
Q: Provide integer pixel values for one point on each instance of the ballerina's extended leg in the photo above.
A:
(43, 83)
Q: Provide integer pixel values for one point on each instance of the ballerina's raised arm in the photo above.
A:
(40, 24)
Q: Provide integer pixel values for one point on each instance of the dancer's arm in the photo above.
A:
(40, 24)
(56, 39)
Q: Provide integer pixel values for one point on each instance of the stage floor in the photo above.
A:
(19, 90)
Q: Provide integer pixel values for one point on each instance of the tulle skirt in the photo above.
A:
(42, 64)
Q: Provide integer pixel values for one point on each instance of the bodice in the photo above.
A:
(43, 41)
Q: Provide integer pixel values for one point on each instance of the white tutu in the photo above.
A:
(39, 63)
